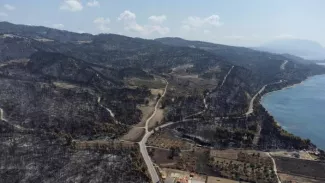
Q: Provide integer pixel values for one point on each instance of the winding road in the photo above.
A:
(251, 110)
(143, 148)
(251, 104)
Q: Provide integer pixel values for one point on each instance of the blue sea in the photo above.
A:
(300, 109)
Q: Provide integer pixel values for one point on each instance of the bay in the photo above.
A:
(300, 109)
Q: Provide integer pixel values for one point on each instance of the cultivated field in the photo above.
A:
(304, 168)
(295, 154)
(292, 178)
(244, 165)
(192, 161)
(165, 141)
(211, 179)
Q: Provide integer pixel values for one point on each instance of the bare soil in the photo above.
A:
(304, 168)
(147, 110)
(302, 154)
(221, 180)
(134, 135)
(146, 113)
(157, 119)
(65, 85)
(291, 178)
(183, 175)
(155, 92)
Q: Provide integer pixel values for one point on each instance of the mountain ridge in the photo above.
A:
(93, 98)
(306, 49)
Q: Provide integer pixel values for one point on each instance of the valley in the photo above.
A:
(112, 108)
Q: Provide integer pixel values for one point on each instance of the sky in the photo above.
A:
(232, 22)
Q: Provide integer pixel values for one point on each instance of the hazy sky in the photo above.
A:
(234, 22)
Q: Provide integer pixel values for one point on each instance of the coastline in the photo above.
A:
(285, 88)
(290, 86)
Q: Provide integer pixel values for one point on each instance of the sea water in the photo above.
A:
(300, 109)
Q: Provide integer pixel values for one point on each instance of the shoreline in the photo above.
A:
(285, 88)
(290, 86)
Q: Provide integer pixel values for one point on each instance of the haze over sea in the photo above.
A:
(300, 109)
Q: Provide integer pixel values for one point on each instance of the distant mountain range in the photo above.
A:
(306, 49)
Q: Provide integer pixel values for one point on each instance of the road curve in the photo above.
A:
(251, 103)
(156, 107)
(143, 149)
(144, 152)
(251, 110)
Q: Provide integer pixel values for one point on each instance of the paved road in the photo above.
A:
(274, 167)
(143, 149)
(251, 110)
(251, 104)
(144, 152)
